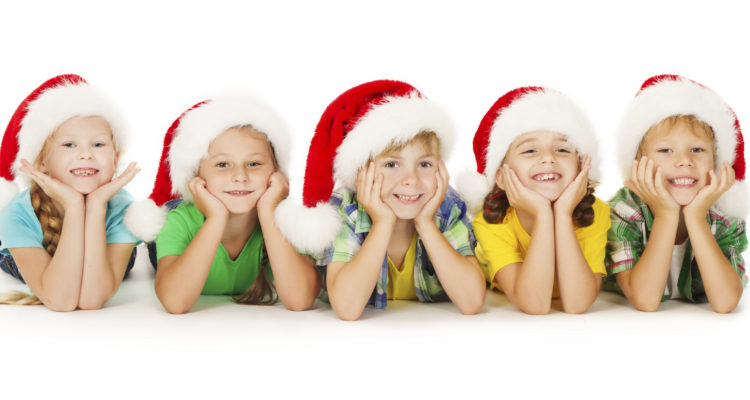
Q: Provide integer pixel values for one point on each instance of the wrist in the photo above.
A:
(424, 222)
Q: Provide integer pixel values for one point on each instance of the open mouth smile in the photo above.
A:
(407, 199)
(682, 182)
(547, 177)
(84, 171)
(238, 193)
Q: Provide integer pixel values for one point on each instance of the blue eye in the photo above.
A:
(390, 164)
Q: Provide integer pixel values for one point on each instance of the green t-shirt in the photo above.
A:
(227, 276)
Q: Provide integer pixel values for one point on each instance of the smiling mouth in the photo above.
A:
(682, 182)
(407, 199)
(238, 193)
(84, 171)
(547, 177)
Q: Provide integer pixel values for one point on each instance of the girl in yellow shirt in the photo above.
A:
(541, 233)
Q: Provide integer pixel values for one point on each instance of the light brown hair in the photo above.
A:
(696, 126)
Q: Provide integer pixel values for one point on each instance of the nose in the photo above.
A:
(409, 177)
(85, 153)
(684, 160)
(239, 174)
(547, 157)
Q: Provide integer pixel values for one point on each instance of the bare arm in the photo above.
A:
(296, 281)
(644, 284)
(722, 284)
(529, 284)
(350, 284)
(577, 285)
(103, 265)
(180, 279)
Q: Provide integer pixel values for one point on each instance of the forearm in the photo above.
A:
(459, 275)
(532, 289)
(648, 277)
(60, 283)
(98, 282)
(577, 285)
(722, 284)
(350, 287)
(179, 283)
(296, 281)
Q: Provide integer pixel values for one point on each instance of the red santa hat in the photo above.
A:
(663, 96)
(519, 111)
(355, 128)
(186, 144)
(36, 118)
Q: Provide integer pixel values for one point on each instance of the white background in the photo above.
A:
(157, 59)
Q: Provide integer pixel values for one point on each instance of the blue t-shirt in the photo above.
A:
(19, 226)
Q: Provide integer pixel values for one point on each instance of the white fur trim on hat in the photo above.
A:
(474, 187)
(308, 229)
(670, 97)
(200, 126)
(734, 200)
(55, 106)
(397, 119)
(144, 219)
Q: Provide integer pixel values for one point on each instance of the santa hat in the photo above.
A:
(519, 111)
(47, 107)
(187, 142)
(353, 129)
(663, 96)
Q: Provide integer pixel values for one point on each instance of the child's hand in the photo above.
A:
(427, 213)
(58, 191)
(649, 186)
(709, 194)
(521, 197)
(205, 202)
(103, 193)
(572, 195)
(368, 195)
(278, 189)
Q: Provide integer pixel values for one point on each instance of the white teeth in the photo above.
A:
(83, 172)
(407, 198)
(683, 181)
(545, 177)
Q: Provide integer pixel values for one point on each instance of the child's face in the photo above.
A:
(408, 178)
(684, 156)
(237, 169)
(544, 161)
(80, 153)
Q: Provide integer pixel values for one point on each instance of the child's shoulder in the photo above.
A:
(20, 204)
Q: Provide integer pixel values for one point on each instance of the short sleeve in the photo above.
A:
(593, 238)
(497, 246)
(115, 220)
(732, 240)
(624, 238)
(455, 225)
(347, 242)
(19, 226)
(175, 235)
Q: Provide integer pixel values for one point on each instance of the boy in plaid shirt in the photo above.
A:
(677, 229)
(393, 229)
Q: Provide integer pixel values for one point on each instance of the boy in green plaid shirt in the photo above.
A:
(677, 229)
(393, 229)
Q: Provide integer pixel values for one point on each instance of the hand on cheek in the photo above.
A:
(646, 182)
(576, 189)
(427, 213)
(709, 194)
(109, 189)
(369, 190)
(58, 191)
(205, 202)
(521, 197)
(277, 190)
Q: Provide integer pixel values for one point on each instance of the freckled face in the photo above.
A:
(409, 179)
(80, 153)
(237, 169)
(684, 157)
(544, 161)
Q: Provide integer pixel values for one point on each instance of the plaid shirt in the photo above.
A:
(451, 219)
(631, 226)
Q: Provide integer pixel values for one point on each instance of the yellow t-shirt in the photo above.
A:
(507, 242)
(401, 283)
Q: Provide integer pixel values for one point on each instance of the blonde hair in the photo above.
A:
(428, 139)
(696, 127)
(50, 220)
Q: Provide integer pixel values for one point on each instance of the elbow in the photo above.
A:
(61, 306)
(472, 306)
(645, 305)
(299, 304)
(91, 304)
(175, 309)
(724, 307)
(347, 313)
(576, 308)
(535, 309)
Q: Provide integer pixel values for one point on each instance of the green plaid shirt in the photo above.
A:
(631, 226)
(451, 219)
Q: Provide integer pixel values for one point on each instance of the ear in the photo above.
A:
(499, 178)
